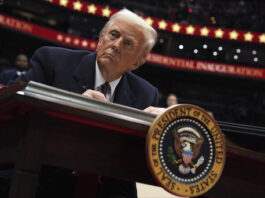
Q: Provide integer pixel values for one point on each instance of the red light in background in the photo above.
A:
(190, 10)
(21, 51)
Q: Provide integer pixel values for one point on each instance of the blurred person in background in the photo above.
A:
(172, 99)
(21, 66)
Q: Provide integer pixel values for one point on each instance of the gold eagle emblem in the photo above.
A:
(187, 146)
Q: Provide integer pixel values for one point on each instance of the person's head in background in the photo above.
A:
(21, 62)
(172, 100)
(124, 43)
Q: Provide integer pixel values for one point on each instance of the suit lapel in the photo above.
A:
(84, 74)
(124, 94)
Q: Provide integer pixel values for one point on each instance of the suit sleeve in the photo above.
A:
(156, 98)
(41, 68)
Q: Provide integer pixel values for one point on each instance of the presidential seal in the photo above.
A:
(185, 150)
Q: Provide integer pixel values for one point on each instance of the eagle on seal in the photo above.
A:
(187, 145)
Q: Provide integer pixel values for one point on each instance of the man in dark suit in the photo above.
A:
(74, 70)
(21, 64)
(124, 44)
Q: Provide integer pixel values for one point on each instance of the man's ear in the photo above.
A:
(141, 58)
(99, 40)
(141, 61)
(138, 63)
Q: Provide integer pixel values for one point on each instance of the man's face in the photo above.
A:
(119, 47)
(22, 62)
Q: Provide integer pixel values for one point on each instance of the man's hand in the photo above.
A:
(94, 94)
(154, 110)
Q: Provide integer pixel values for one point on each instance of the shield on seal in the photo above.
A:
(186, 156)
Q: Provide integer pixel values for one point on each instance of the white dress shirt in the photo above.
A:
(99, 80)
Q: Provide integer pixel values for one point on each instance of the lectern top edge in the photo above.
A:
(41, 95)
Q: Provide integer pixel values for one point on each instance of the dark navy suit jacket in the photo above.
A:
(74, 69)
(7, 76)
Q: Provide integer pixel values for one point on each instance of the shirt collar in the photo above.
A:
(99, 80)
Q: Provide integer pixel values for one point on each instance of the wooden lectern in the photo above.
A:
(42, 125)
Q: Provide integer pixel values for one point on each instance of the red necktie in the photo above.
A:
(105, 88)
